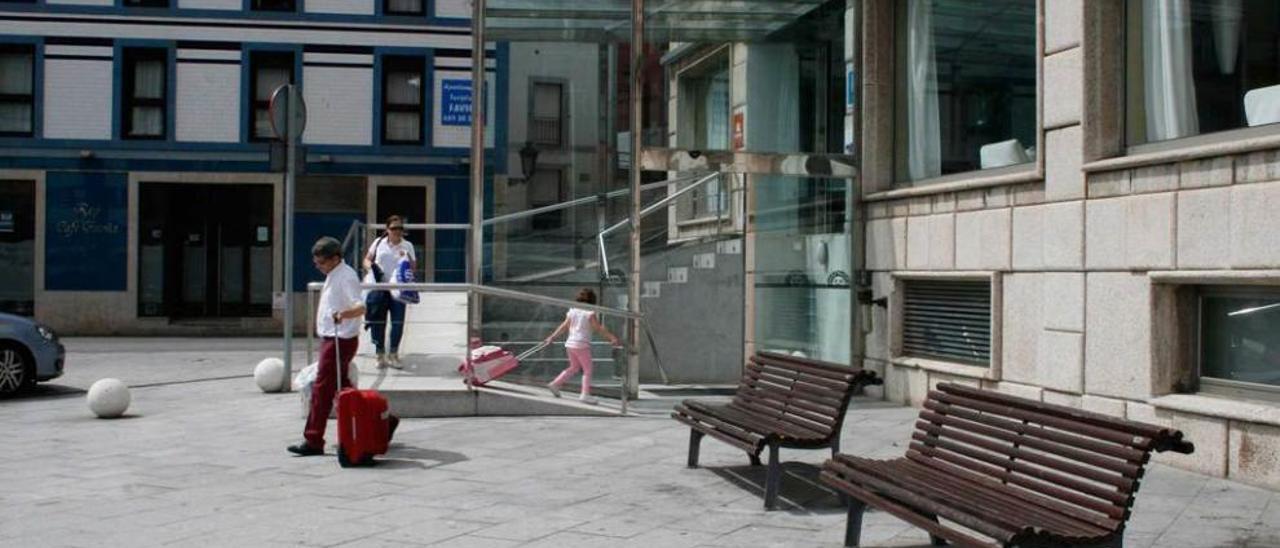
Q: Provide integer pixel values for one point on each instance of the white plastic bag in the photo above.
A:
(306, 379)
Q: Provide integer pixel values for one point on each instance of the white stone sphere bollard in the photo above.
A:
(108, 398)
(269, 374)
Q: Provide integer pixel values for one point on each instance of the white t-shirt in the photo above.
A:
(387, 256)
(341, 292)
(579, 328)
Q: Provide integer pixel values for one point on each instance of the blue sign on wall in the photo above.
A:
(455, 102)
(86, 236)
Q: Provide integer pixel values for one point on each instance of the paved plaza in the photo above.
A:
(200, 461)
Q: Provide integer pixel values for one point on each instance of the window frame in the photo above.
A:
(993, 371)
(130, 57)
(145, 3)
(27, 98)
(421, 11)
(564, 112)
(1226, 387)
(404, 63)
(259, 60)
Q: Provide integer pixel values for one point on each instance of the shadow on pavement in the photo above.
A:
(408, 456)
(46, 391)
(800, 492)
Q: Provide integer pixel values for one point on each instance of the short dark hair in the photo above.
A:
(586, 295)
(326, 248)
(394, 219)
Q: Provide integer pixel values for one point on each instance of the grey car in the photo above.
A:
(29, 352)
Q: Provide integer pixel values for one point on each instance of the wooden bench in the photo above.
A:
(1021, 472)
(781, 401)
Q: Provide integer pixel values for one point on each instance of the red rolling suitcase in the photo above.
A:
(365, 424)
(487, 363)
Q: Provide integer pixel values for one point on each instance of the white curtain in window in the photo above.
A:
(148, 80)
(270, 78)
(15, 74)
(147, 121)
(924, 137)
(1169, 89)
(1226, 33)
(404, 88)
(717, 111)
(404, 6)
(404, 126)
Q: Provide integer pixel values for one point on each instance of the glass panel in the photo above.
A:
(15, 73)
(966, 86)
(803, 270)
(270, 78)
(231, 277)
(262, 123)
(17, 247)
(404, 88)
(151, 280)
(148, 80)
(404, 126)
(15, 117)
(404, 6)
(1201, 66)
(193, 275)
(1240, 338)
(147, 121)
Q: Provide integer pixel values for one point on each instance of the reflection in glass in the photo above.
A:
(1201, 66)
(966, 86)
(1240, 338)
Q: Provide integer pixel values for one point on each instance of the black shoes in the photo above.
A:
(304, 450)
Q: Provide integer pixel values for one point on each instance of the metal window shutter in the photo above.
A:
(947, 320)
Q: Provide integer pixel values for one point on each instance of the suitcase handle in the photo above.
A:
(536, 348)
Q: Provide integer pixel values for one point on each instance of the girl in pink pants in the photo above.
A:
(579, 323)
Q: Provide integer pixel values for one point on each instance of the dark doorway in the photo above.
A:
(410, 203)
(17, 247)
(205, 250)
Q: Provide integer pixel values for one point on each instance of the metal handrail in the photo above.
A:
(492, 292)
(579, 201)
(648, 210)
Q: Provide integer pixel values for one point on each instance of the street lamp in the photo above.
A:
(528, 159)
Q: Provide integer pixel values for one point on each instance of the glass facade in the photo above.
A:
(1201, 66)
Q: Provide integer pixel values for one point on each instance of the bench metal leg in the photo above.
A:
(755, 459)
(935, 539)
(853, 527)
(695, 443)
(772, 479)
(835, 445)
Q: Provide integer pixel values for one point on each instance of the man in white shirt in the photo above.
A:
(338, 325)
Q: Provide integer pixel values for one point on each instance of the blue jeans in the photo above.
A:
(396, 310)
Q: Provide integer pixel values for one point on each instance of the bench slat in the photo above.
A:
(1045, 474)
(908, 515)
(756, 421)
(1121, 467)
(728, 433)
(1022, 414)
(923, 454)
(1098, 420)
(1128, 454)
(790, 375)
(794, 413)
(762, 390)
(968, 491)
(799, 383)
(1114, 479)
(840, 373)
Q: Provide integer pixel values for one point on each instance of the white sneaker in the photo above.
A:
(382, 361)
(555, 390)
(589, 400)
(393, 360)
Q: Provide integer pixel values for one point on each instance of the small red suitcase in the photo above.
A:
(365, 423)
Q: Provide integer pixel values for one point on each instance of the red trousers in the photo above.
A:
(324, 389)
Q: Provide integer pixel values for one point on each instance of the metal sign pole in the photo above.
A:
(290, 179)
(475, 236)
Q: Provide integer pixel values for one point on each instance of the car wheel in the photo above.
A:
(17, 369)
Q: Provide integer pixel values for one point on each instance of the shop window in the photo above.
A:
(17, 90)
(547, 114)
(1239, 343)
(268, 71)
(403, 7)
(966, 86)
(1200, 66)
(145, 88)
(704, 94)
(402, 95)
(947, 320)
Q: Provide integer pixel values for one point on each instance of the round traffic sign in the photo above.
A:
(278, 111)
